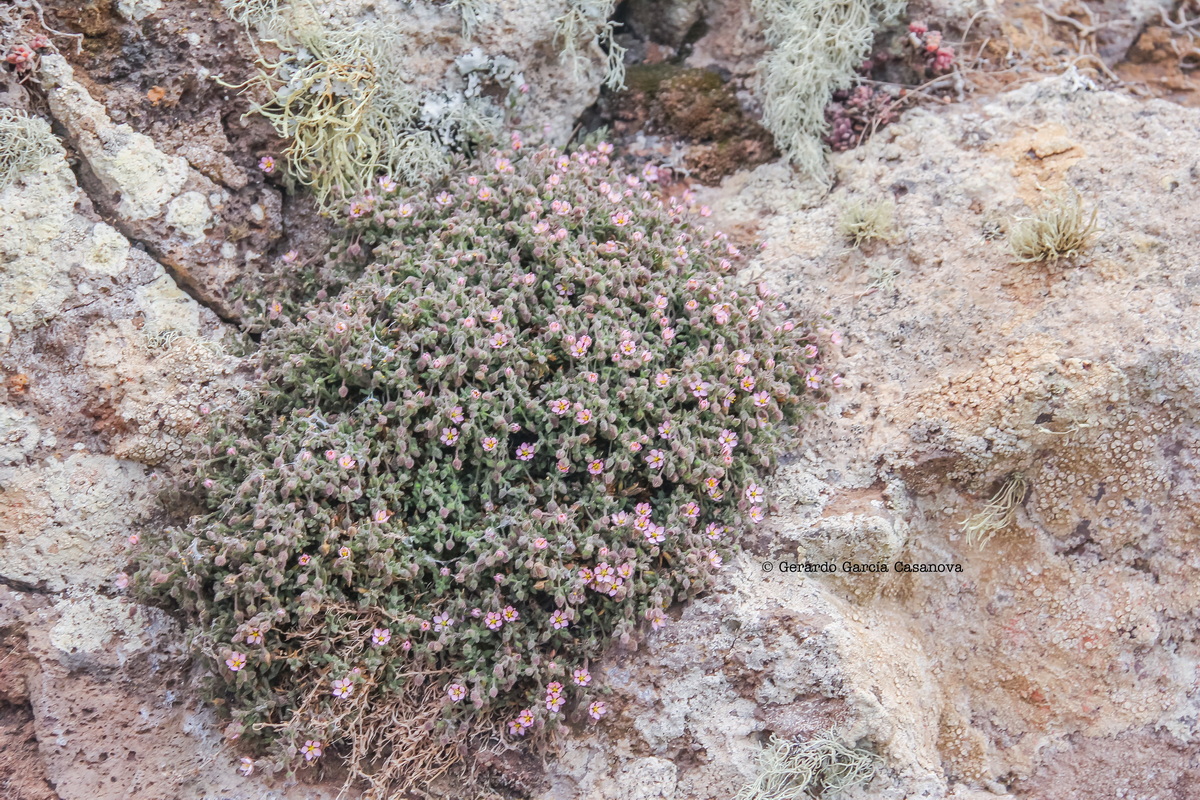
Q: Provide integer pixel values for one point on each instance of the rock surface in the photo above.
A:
(1060, 663)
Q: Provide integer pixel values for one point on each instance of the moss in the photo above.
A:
(697, 106)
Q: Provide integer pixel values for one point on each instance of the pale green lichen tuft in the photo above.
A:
(864, 222)
(588, 23)
(1062, 229)
(998, 514)
(25, 142)
(341, 99)
(820, 767)
(815, 48)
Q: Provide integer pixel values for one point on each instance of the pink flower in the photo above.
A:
(714, 531)
(254, 637)
(236, 661)
(493, 621)
(304, 559)
(489, 443)
(558, 620)
(406, 645)
(442, 622)
(727, 438)
(346, 462)
(330, 455)
(498, 340)
(449, 435)
(456, 692)
(343, 687)
(560, 406)
(381, 636)
(596, 467)
(444, 199)
(655, 459)
(581, 677)
(386, 183)
(525, 451)
(267, 164)
(405, 211)
(813, 380)
(133, 538)
(761, 399)
(666, 429)
(344, 552)
(311, 750)
(655, 534)
(714, 559)
(690, 510)
(540, 543)
(621, 218)
(247, 767)
(358, 209)
(484, 194)
(382, 515)
(756, 514)
(426, 625)
(583, 416)
(656, 618)
(554, 703)
(754, 493)
(597, 709)
(122, 581)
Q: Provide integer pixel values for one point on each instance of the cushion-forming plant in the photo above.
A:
(540, 416)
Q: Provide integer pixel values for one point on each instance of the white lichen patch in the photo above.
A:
(95, 622)
(138, 10)
(191, 215)
(107, 251)
(40, 238)
(167, 307)
(124, 161)
(19, 435)
(66, 522)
